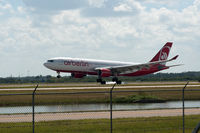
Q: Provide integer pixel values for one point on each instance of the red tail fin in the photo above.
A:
(163, 53)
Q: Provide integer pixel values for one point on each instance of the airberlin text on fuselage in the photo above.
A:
(76, 63)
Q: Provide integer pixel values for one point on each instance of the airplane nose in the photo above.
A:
(46, 64)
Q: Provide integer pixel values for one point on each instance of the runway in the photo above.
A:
(97, 115)
(99, 87)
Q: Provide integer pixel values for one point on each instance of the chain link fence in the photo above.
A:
(83, 111)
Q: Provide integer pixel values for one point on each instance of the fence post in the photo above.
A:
(33, 109)
(196, 129)
(183, 108)
(111, 107)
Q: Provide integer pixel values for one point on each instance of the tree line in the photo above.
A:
(184, 76)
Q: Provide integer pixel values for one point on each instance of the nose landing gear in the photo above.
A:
(58, 75)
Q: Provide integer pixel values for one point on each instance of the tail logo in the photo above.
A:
(164, 53)
(163, 56)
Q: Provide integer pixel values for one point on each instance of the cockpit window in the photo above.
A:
(50, 61)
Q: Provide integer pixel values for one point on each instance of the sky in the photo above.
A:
(32, 31)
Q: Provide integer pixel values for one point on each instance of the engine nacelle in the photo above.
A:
(77, 75)
(105, 73)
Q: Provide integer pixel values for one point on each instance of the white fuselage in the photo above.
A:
(64, 64)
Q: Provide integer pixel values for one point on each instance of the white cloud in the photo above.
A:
(52, 6)
(89, 8)
(196, 2)
(123, 7)
(169, 3)
(97, 3)
(128, 27)
(21, 9)
(117, 8)
(5, 7)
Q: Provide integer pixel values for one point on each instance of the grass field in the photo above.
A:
(125, 125)
(122, 97)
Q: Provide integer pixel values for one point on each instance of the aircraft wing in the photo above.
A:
(133, 68)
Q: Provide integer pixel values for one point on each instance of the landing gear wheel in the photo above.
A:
(103, 82)
(115, 79)
(58, 76)
(119, 82)
(99, 80)
(58, 72)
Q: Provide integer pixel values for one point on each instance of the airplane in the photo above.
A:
(104, 68)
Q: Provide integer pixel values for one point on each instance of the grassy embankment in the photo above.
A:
(125, 125)
(122, 97)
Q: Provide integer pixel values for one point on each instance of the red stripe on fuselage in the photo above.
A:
(82, 72)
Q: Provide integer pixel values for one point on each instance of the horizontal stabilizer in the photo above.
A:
(175, 65)
(174, 58)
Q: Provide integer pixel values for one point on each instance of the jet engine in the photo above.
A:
(105, 73)
(77, 75)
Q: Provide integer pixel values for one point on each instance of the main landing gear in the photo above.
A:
(115, 79)
(101, 81)
(100, 78)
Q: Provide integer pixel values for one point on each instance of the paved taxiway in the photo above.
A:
(97, 115)
(99, 87)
